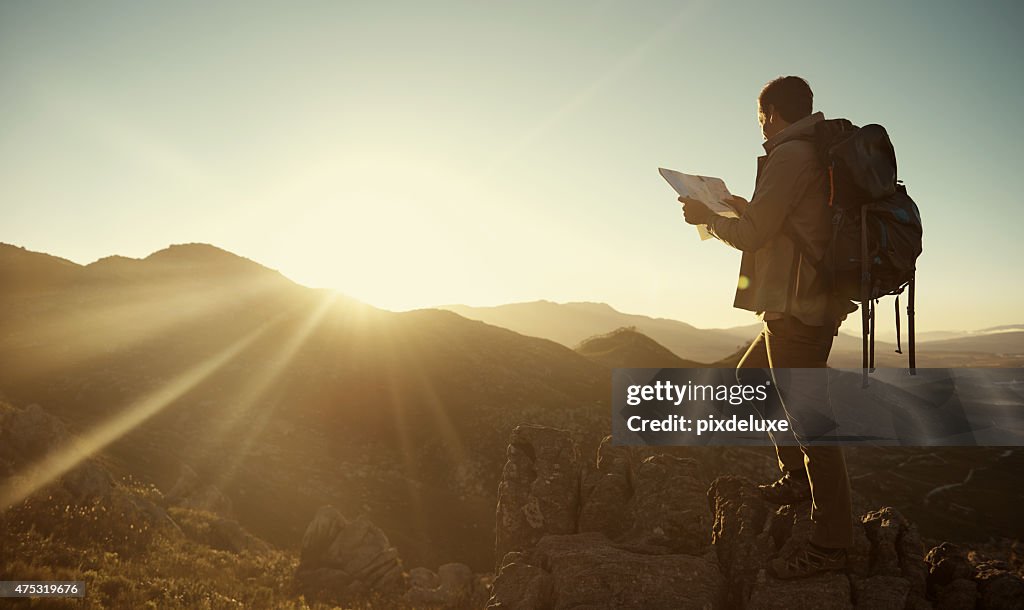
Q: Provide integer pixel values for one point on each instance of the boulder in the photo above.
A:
(88, 481)
(736, 535)
(453, 586)
(539, 489)
(521, 585)
(998, 588)
(669, 505)
(946, 562)
(607, 490)
(896, 549)
(341, 559)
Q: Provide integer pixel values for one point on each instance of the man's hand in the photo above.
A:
(695, 212)
(737, 203)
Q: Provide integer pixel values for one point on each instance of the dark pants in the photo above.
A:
(790, 344)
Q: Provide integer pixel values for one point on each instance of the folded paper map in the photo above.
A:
(712, 192)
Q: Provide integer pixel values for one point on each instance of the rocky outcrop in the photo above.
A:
(342, 560)
(453, 586)
(739, 520)
(539, 490)
(624, 532)
(957, 579)
(346, 561)
(896, 550)
(606, 491)
(644, 524)
(668, 507)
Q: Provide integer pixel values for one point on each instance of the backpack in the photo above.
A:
(876, 227)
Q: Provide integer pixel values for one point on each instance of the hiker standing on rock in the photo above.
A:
(800, 316)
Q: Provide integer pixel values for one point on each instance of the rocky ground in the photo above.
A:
(625, 528)
(635, 529)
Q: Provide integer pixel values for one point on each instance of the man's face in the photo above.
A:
(770, 125)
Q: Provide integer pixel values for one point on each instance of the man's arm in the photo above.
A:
(784, 180)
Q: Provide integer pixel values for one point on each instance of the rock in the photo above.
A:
(539, 489)
(422, 597)
(896, 548)
(28, 434)
(456, 578)
(998, 589)
(669, 505)
(341, 559)
(607, 490)
(881, 593)
(946, 563)
(590, 571)
(829, 591)
(452, 587)
(327, 523)
(88, 481)
(958, 594)
(521, 585)
(736, 535)
(422, 578)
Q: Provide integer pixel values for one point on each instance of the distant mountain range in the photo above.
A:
(572, 323)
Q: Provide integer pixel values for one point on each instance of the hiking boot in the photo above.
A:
(787, 490)
(808, 561)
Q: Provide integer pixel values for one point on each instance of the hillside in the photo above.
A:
(195, 357)
(571, 323)
(629, 348)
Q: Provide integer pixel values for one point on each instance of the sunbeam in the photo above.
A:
(120, 321)
(49, 468)
(263, 379)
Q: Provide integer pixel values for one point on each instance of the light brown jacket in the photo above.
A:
(775, 276)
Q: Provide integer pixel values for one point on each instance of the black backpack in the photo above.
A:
(876, 227)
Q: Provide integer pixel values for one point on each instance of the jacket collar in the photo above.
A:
(801, 129)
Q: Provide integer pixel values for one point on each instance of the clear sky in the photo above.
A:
(423, 153)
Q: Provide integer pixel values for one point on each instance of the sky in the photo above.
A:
(415, 154)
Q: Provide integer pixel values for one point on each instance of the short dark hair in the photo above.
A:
(790, 95)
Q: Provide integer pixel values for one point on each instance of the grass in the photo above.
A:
(130, 556)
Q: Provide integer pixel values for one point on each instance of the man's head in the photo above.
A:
(782, 102)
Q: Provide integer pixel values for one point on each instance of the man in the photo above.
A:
(800, 317)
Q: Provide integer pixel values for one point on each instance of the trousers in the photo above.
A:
(787, 343)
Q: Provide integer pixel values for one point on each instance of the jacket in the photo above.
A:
(791, 186)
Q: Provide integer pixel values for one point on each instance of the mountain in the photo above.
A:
(571, 323)
(628, 348)
(283, 397)
(987, 348)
